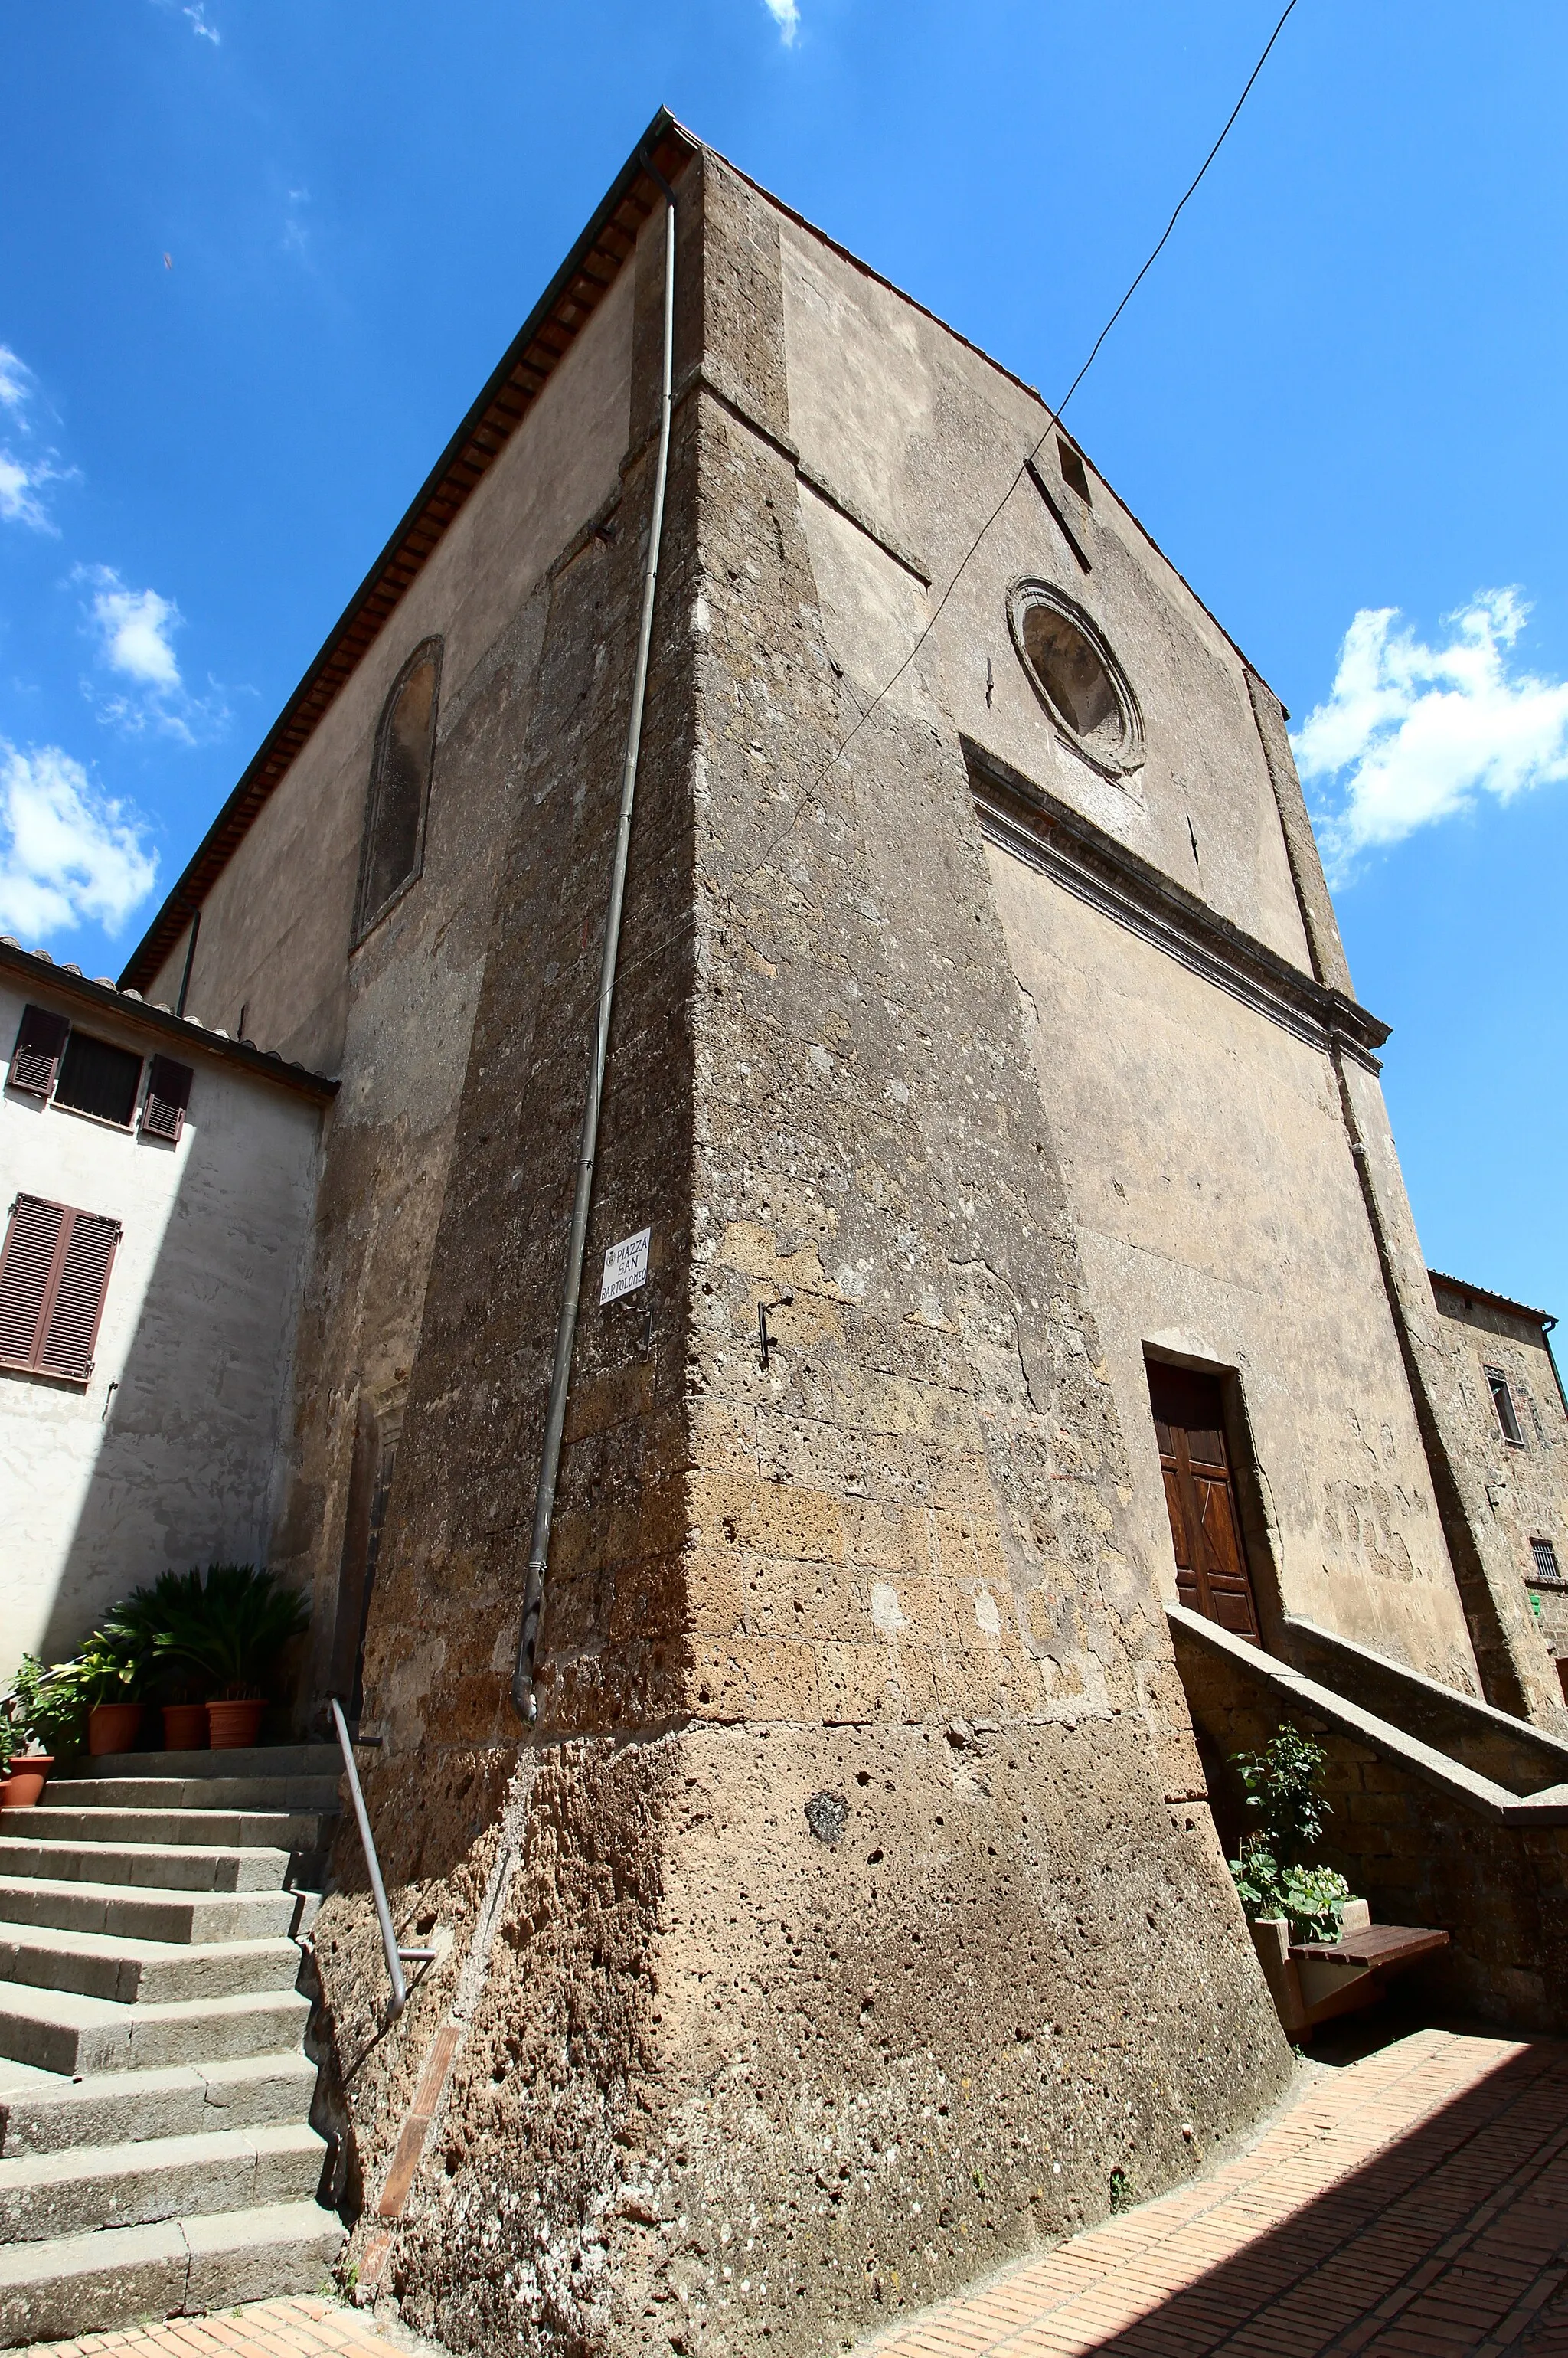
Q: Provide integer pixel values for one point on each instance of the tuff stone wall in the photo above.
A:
(861, 1916)
(854, 1907)
(394, 1015)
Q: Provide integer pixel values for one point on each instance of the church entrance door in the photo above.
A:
(1211, 1563)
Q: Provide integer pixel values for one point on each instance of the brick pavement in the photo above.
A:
(309, 2327)
(1413, 2203)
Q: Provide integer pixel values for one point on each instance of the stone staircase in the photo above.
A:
(155, 2155)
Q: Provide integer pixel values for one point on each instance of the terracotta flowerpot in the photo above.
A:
(28, 1776)
(235, 1727)
(112, 1727)
(185, 1728)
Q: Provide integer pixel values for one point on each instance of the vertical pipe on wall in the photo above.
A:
(522, 1694)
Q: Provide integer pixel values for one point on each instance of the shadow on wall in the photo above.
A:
(1449, 2239)
(172, 1455)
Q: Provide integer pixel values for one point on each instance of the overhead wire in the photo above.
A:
(1054, 417)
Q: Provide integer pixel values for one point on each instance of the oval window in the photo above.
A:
(1076, 677)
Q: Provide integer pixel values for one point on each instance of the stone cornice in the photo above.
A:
(1032, 824)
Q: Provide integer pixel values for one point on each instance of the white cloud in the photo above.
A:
(67, 853)
(198, 24)
(23, 478)
(1412, 733)
(16, 381)
(134, 633)
(785, 14)
(133, 626)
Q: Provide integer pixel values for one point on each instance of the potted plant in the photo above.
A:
(230, 1630)
(26, 1759)
(1273, 1879)
(106, 1674)
(146, 1618)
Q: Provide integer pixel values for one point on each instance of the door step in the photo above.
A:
(57, 2030)
(155, 2157)
(42, 2113)
(58, 2290)
(144, 1915)
(44, 2197)
(133, 1972)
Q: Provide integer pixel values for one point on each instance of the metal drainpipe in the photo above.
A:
(522, 1694)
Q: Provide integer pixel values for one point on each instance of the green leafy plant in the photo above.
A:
(1311, 1899)
(47, 1708)
(1283, 1785)
(146, 1623)
(228, 1629)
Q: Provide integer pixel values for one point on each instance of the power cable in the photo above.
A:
(1054, 416)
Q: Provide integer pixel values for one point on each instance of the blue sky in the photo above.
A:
(256, 259)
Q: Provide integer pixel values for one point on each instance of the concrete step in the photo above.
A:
(285, 1793)
(42, 2113)
(203, 1829)
(89, 2284)
(164, 1866)
(140, 1973)
(147, 1915)
(60, 2030)
(46, 2196)
(256, 1760)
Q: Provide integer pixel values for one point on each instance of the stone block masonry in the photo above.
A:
(845, 1937)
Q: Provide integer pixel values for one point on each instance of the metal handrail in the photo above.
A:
(397, 1958)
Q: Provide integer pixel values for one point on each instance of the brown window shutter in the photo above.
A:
(54, 1274)
(40, 1044)
(83, 1258)
(26, 1264)
(167, 1099)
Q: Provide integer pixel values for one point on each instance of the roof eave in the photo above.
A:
(339, 653)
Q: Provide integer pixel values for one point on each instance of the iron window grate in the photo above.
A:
(1545, 1556)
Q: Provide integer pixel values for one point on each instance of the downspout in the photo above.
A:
(522, 1694)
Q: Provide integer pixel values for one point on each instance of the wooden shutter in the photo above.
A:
(54, 1275)
(25, 1268)
(167, 1099)
(40, 1044)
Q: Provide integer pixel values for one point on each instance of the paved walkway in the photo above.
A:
(309, 2327)
(1413, 2203)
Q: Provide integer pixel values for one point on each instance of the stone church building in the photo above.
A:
(1033, 1384)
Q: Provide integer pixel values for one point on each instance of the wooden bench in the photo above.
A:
(1312, 1980)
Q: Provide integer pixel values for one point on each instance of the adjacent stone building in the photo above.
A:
(1519, 1422)
(1027, 1253)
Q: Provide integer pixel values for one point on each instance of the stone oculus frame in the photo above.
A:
(1077, 677)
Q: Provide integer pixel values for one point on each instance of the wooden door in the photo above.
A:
(1211, 1563)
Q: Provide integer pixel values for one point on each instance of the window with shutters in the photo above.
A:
(168, 1100)
(394, 848)
(1503, 1401)
(98, 1078)
(40, 1043)
(54, 1275)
